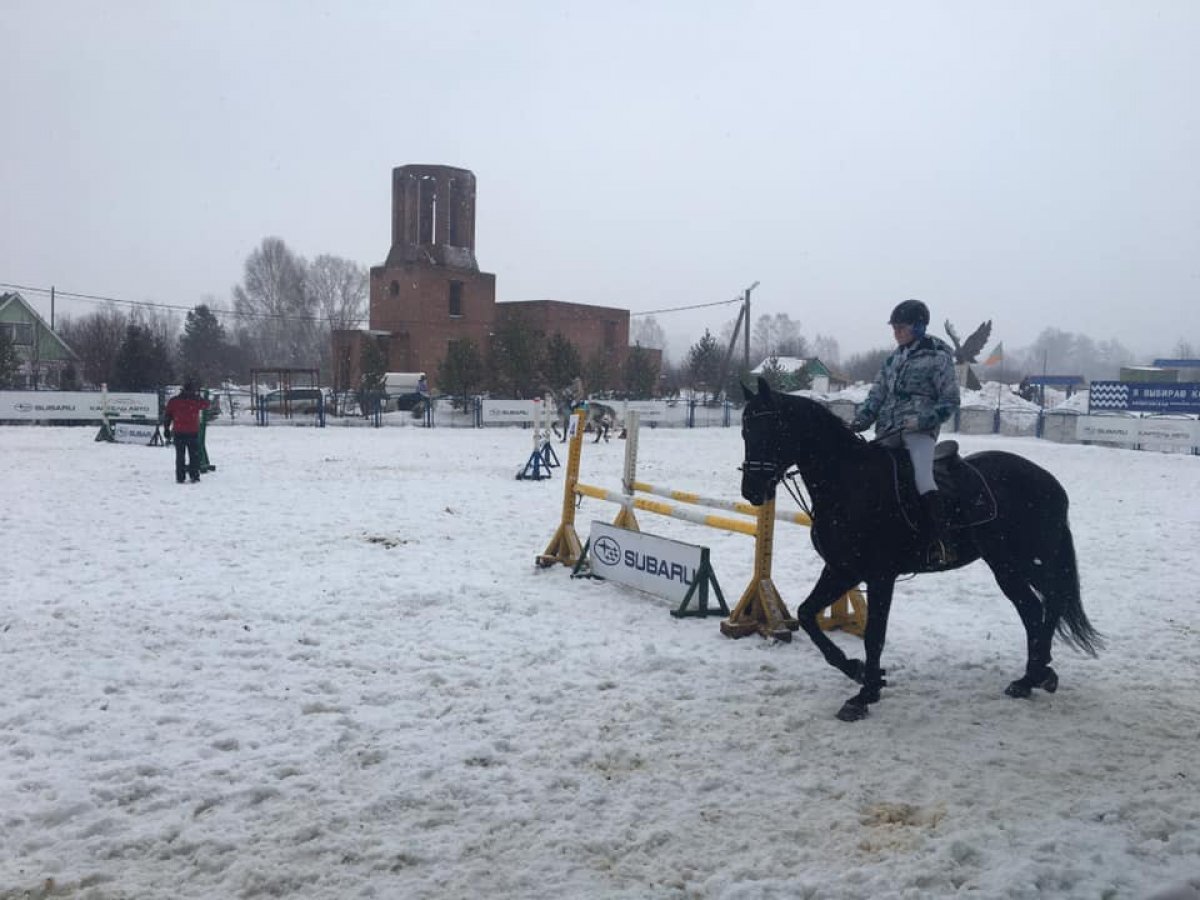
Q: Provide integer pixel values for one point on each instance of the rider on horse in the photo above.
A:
(916, 391)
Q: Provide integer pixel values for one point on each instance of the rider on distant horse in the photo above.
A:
(916, 391)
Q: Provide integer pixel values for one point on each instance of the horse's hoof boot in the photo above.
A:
(1019, 688)
(852, 711)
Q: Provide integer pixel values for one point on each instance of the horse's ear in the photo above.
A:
(746, 393)
(764, 389)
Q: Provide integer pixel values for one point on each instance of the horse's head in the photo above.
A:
(764, 433)
(785, 430)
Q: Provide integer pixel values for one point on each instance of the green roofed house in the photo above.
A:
(820, 378)
(45, 357)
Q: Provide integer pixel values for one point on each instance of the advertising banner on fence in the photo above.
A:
(1149, 396)
(647, 562)
(32, 406)
(1181, 434)
(134, 432)
(650, 412)
(509, 412)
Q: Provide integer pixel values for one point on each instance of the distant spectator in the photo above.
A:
(182, 418)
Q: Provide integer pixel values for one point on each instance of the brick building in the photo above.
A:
(430, 290)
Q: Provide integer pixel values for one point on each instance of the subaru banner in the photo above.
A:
(1179, 434)
(508, 412)
(650, 563)
(34, 406)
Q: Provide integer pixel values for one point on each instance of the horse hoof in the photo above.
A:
(1050, 682)
(1019, 688)
(1023, 687)
(853, 710)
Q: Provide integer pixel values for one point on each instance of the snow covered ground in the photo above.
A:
(331, 669)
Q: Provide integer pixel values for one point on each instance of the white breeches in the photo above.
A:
(920, 450)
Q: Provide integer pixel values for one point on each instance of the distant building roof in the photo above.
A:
(14, 305)
(812, 365)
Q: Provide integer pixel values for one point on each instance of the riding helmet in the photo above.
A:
(910, 312)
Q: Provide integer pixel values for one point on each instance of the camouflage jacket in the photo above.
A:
(917, 381)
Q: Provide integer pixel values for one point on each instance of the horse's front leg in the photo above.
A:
(831, 585)
(879, 604)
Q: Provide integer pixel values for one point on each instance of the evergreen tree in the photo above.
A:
(70, 378)
(638, 376)
(704, 363)
(774, 373)
(10, 363)
(798, 380)
(516, 358)
(373, 364)
(203, 346)
(599, 373)
(461, 372)
(143, 363)
(563, 362)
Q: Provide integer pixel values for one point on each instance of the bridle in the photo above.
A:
(770, 468)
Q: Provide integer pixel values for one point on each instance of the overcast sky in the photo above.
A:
(1036, 163)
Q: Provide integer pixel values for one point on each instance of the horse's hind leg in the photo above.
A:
(1039, 621)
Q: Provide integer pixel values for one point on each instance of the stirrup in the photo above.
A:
(938, 553)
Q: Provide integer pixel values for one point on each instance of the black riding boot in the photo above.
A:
(933, 504)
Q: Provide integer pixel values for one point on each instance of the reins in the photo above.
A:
(788, 478)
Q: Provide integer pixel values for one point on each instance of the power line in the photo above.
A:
(95, 298)
(285, 317)
(652, 312)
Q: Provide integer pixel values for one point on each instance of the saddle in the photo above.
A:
(968, 497)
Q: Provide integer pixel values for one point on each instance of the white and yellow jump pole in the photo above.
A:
(760, 609)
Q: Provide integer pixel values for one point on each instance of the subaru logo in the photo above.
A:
(607, 550)
(24, 407)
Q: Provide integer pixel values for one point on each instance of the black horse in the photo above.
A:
(1006, 510)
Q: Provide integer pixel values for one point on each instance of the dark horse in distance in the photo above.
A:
(1004, 510)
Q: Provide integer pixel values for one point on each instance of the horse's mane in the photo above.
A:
(818, 416)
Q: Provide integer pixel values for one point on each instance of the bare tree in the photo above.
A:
(776, 335)
(865, 366)
(1057, 352)
(97, 339)
(338, 288)
(277, 312)
(164, 327)
(646, 332)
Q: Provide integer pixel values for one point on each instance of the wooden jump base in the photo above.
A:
(761, 610)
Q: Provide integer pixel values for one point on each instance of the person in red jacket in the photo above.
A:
(182, 416)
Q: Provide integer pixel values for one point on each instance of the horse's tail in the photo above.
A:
(1062, 579)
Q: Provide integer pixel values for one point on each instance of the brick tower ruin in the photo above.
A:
(430, 292)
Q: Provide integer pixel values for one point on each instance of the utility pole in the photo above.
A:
(746, 336)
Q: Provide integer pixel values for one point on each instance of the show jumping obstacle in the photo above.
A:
(760, 610)
(543, 457)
